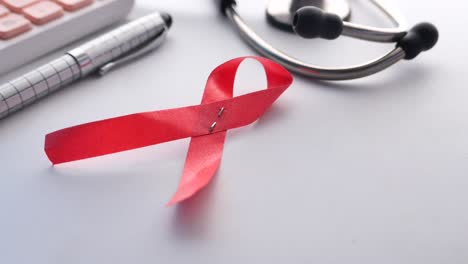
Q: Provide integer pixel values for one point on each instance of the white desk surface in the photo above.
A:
(366, 171)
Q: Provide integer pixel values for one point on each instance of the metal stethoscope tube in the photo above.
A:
(396, 34)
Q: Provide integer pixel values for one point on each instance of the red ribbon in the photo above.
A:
(206, 124)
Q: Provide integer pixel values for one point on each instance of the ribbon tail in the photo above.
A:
(203, 160)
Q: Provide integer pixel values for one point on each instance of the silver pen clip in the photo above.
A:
(134, 53)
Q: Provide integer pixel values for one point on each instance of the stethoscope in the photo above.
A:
(328, 19)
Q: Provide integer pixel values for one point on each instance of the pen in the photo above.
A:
(100, 55)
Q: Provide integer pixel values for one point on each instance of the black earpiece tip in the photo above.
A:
(223, 4)
(422, 37)
(428, 33)
(312, 22)
(332, 26)
(167, 19)
(307, 22)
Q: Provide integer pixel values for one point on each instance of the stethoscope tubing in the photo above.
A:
(376, 34)
(300, 67)
(408, 43)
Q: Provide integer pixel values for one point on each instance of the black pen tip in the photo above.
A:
(167, 19)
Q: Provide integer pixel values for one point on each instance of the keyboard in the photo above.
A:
(31, 28)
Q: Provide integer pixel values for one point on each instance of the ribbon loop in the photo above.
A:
(206, 124)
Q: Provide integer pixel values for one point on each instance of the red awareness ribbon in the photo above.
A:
(206, 124)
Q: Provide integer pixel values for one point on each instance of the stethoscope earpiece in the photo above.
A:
(419, 38)
(313, 22)
(224, 4)
(311, 19)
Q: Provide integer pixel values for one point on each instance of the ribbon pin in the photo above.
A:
(206, 124)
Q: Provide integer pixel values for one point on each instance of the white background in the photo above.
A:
(367, 171)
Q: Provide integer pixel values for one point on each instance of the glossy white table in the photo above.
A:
(367, 171)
